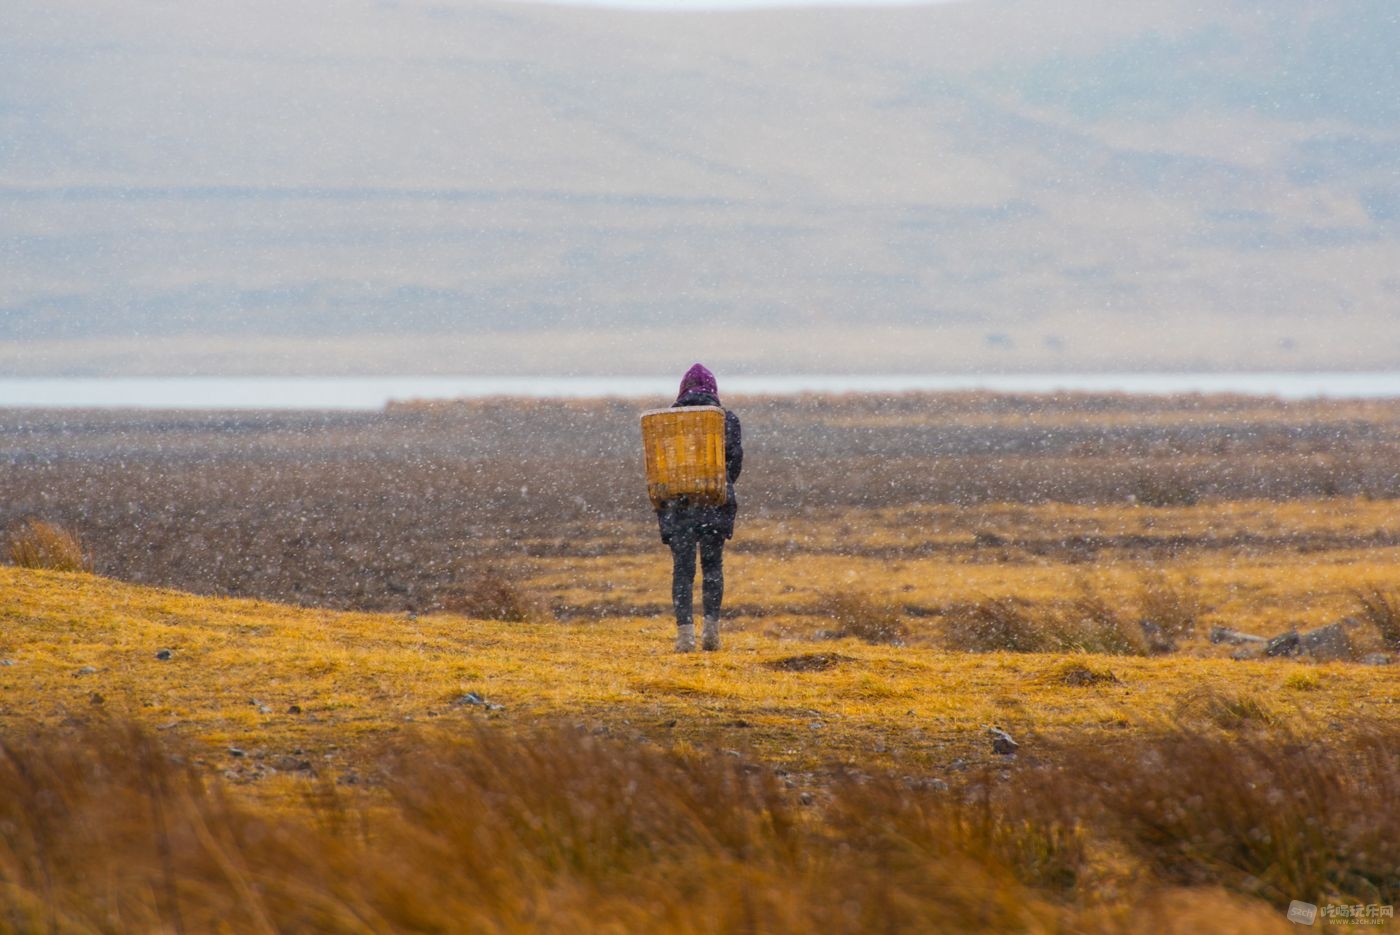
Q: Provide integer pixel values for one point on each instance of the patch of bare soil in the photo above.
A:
(809, 662)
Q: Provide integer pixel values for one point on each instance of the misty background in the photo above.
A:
(450, 186)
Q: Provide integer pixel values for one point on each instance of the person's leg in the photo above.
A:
(683, 584)
(712, 586)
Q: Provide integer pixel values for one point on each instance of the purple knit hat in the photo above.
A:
(699, 380)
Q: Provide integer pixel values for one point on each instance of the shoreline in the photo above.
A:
(374, 393)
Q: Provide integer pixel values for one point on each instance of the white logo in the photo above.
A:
(1302, 913)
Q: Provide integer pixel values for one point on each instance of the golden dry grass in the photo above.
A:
(37, 544)
(1258, 566)
(106, 828)
(336, 776)
(236, 669)
(1381, 609)
(528, 649)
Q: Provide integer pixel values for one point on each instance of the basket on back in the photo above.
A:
(685, 454)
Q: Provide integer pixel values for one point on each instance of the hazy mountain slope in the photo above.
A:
(987, 183)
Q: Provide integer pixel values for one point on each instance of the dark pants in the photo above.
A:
(684, 541)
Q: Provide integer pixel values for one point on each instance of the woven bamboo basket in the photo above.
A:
(684, 449)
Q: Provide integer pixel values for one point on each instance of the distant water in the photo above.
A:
(369, 393)
(679, 6)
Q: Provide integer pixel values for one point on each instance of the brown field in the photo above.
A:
(945, 496)
(907, 571)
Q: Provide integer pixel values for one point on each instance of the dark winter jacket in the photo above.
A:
(717, 518)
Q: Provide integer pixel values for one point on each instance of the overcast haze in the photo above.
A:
(336, 186)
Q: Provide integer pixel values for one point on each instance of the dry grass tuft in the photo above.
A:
(1227, 710)
(550, 831)
(867, 618)
(1302, 682)
(1263, 815)
(1382, 610)
(1085, 623)
(1079, 674)
(494, 594)
(1013, 853)
(1172, 602)
(39, 544)
(1090, 623)
(994, 625)
(106, 829)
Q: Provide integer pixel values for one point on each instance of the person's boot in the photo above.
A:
(709, 636)
(685, 638)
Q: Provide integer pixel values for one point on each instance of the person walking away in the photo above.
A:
(687, 527)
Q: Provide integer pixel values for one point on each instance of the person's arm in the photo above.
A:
(733, 446)
(663, 520)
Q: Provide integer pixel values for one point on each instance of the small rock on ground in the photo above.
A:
(1328, 643)
(1285, 644)
(1002, 744)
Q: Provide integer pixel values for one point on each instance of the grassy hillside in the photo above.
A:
(236, 670)
(488, 187)
(462, 711)
(327, 774)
